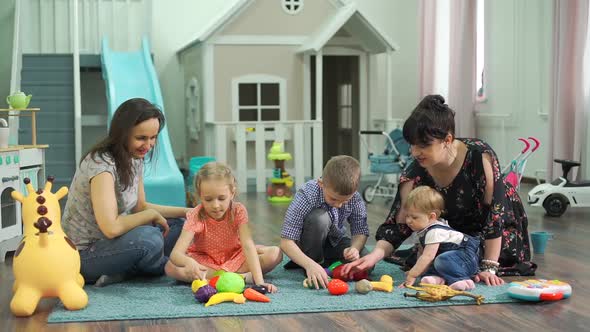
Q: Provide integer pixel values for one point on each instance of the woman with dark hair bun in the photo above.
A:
(478, 201)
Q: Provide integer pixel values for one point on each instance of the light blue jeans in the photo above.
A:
(141, 251)
(459, 264)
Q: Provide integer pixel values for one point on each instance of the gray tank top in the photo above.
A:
(78, 220)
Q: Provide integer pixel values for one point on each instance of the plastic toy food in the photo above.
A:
(539, 290)
(363, 286)
(213, 281)
(260, 289)
(435, 293)
(253, 295)
(230, 282)
(360, 275)
(337, 287)
(198, 284)
(225, 297)
(204, 293)
(385, 284)
(309, 284)
(46, 262)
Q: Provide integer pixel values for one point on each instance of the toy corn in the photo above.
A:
(46, 263)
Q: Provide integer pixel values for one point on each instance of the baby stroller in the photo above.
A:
(387, 165)
(514, 170)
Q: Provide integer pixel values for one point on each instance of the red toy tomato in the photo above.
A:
(213, 282)
(337, 287)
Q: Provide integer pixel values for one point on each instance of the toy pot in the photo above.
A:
(539, 240)
(4, 132)
(18, 100)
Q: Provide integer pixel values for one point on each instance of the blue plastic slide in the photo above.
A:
(130, 75)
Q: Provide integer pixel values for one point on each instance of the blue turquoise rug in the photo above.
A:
(165, 298)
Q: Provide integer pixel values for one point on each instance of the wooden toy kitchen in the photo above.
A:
(16, 163)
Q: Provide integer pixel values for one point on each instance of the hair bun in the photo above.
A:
(438, 99)
(434, 102)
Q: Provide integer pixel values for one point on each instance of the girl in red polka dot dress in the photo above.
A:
(216, 235)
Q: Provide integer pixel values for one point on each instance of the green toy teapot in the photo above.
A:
(18, 100)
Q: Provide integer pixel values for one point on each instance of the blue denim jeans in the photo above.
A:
(458, 264)
(315, 243)
(141, 251)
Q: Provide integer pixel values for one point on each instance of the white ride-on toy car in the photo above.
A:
(561, 192)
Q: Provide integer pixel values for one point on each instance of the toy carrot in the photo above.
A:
(253, 295)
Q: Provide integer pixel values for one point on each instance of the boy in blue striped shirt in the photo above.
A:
(314, 231)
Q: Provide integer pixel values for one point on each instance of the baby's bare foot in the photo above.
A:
(433, 280)
(463, 285)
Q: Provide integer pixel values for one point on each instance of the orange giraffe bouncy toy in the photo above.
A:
(46, 263)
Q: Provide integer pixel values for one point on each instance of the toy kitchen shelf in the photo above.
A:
(25, 112)
(16, 163)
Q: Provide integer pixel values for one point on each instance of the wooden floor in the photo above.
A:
(567, 258)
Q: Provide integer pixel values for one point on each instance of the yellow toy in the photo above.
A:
(280, 189)
(435, 293)
(226, 297)
(46, 263)
(385, 284)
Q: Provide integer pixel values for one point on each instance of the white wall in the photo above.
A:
(518, 59)
(396, 19)
(174, 24)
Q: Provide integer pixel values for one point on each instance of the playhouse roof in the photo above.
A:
(347, 15)
(350, 17)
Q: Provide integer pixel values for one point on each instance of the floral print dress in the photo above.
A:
(467, 212)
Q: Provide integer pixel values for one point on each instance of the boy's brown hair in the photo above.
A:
(342, 174)
(425, 200)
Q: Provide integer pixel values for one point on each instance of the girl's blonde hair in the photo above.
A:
(215, 171)
(425, 200)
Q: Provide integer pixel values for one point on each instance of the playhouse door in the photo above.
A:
(340, 105)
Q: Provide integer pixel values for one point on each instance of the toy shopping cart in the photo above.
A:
(387, 165)
(514, 170)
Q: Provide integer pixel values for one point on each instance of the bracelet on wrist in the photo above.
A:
(490, 262)
(493, 271)
(488, 265)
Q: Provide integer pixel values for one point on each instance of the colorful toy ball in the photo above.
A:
(337, 287)
(204, 293)
(230, 282)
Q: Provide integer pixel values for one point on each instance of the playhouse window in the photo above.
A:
(292, 7)
(345, 105)
(259, 102)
